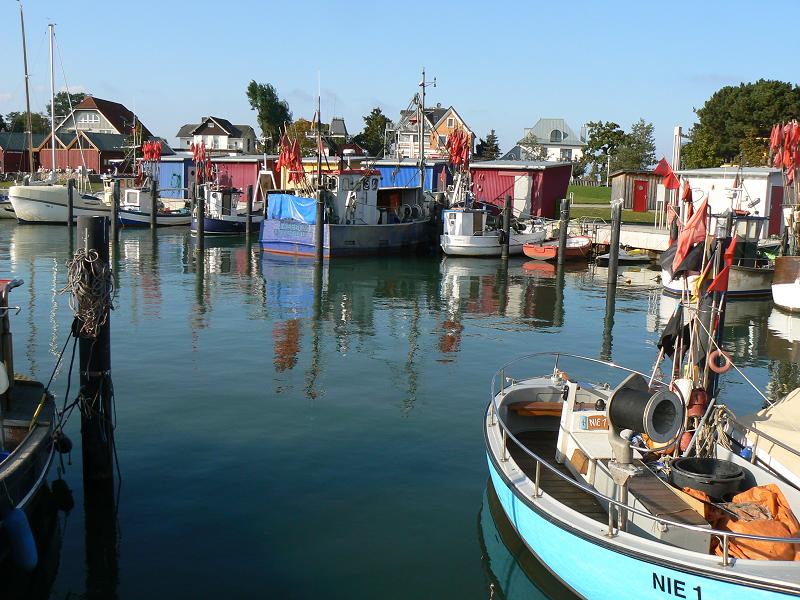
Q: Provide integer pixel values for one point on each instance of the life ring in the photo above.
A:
(716, 367)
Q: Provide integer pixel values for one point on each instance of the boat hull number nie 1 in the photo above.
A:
(675, 588)
(594, 422)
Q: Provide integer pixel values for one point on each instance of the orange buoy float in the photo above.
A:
(715, 366)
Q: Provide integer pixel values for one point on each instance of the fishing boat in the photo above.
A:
(46, 201)
(135, 206)
(750, 274)
(573, 485)
(476, 232)
(223, 213)
(578, 246)
(6, 208)
(27, 425)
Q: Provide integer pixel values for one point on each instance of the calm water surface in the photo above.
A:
(272, 445)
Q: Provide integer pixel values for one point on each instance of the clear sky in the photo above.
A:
(502, 65)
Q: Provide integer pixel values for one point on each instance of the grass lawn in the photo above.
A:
(628, 216)
(585, 194)
(6, 184)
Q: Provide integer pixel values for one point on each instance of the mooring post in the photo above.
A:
(96, 392)
(115, 213)
(563, 231)
(248, 225)
(153, 200)
(613, 250)
(70, 203)
(201, 219)
(506, 228)
(319, 228)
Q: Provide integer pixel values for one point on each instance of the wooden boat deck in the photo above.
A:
(543, 444)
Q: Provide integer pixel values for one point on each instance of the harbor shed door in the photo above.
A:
(775, 210)
(639, 195)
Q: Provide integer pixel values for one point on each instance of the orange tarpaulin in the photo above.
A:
(782, 524)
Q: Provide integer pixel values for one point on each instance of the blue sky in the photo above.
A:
(502, 65)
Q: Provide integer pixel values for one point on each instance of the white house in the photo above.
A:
(557, 138)
(220, 136)
(762, 191)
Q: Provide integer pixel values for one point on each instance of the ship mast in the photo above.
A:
(29, 131)
(53, 102)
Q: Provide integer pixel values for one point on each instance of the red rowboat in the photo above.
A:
(577, 247)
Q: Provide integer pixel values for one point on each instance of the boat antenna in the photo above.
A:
(422, 84)
(29, 123)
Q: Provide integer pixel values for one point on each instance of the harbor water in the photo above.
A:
(286, 432)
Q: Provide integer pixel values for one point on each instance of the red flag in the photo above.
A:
(671, 182)
(693, 233)
(687, 191)
(720, 283)
(663, 168)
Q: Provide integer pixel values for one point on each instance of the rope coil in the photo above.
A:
(91, 286)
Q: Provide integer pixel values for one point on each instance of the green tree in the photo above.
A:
(63, 100)
(18, 121)
(3, 126)
(638, 148)
(305, 135)
(604, 137)
(271, 110)
(532, 147)
(489, 148)
(373, 136)
(736, 122)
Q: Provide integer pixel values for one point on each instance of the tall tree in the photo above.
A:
(604, 137)
(489, 148)
(533, 149)
(638, 148)
(373, 136)
(735, 122)
(18, 121)
(305, 134)
(272, 112)
(3, 126)
(63, 102)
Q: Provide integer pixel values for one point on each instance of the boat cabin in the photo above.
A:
(222, 201)
(467, 221)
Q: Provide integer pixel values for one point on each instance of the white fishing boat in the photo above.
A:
(224, 214)
(136, 205)
(575, 482)
(786, 283)
(476, 232)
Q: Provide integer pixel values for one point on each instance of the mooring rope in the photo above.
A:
(91, 287)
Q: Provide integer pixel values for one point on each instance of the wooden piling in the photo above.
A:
(319, 236)
(70, 203)
(506, 228)
(97, 430)
(115, 212)
(563, 231)
(248, 226)
(153, 202)
(613, 250)
(201, 220)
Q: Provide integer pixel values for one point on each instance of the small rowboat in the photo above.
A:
(577, 247)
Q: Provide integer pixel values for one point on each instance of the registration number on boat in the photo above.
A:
(675, 587)
(594, 422)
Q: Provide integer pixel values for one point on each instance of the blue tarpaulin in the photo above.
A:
(288, 206)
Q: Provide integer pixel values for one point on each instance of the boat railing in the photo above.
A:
(613, 505)
(758, 436)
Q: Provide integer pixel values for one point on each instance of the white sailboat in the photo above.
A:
(46, 202)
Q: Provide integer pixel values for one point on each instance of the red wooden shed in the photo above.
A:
(14, 151)
(240, 171)
(534, 186)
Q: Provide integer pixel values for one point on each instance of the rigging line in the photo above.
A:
(69, 100)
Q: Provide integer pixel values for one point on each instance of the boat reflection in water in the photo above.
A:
(512, 571)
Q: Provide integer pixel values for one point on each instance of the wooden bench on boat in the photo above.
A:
(537, 409)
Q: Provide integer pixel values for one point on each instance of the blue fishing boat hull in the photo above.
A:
(287, 236)
(601, 572)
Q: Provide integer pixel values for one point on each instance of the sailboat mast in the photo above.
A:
(29, 132)
(53, 101)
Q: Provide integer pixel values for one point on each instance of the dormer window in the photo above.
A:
(556, 136)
